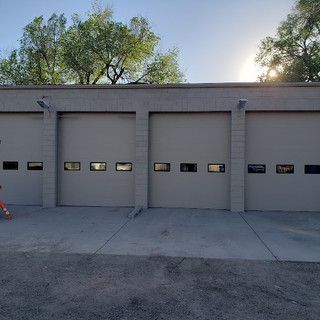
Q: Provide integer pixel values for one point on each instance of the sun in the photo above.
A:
(273, 73)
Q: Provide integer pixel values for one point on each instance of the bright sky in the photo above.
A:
(217, 38)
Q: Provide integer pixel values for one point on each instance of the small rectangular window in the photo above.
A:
(285, 168)
(72, 166)
(256, 168)
(164, 167)
(98, 166)
(124, 166)
(188, 167)
(312, 169)
(216, 167)
(10, 165)
(35, 166)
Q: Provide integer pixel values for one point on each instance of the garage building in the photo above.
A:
(244, 146)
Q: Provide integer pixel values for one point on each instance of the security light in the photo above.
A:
(242, 103)
(43, 104)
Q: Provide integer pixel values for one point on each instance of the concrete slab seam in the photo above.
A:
(112, 236)
(178, 263)
(261, 240)
(135, 212)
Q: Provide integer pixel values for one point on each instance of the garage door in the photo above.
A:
(283, 161)
(21, 158)
(190, 160)
(96, 163)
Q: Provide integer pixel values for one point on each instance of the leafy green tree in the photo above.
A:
(12, 70)
(38, 60)
(294, 53)
(95, 50)
(161, 68)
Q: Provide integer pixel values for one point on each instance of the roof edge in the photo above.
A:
(164, 86)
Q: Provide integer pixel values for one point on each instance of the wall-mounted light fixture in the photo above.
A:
(242, 103)
(44, 103)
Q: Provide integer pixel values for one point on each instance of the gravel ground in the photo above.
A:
(71, 286)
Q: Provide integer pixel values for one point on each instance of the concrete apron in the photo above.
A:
(284, 236)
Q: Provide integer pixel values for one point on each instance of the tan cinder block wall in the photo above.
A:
(50, 155)
(142, 156)
(144, 99)
(237, 160)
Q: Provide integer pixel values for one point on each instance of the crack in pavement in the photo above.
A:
(258, 236)
(111, 237)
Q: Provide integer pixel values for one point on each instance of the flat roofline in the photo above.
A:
(165, 86)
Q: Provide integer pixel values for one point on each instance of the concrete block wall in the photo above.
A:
(237, 160)
(142, 159)
(145, 99)
(50, 154)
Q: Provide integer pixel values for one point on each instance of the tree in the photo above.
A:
(38, 60)
(95, 50)
(294, 53)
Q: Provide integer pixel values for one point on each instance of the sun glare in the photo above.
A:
(250, 70)
(273, 73)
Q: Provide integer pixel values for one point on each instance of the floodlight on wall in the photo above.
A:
(242, 103)
(44, 103)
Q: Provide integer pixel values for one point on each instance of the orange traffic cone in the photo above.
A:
(9, 215)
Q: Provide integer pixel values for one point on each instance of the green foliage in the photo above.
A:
(38, 60)
(12, 70)
(164, 67)
(95, 50)
(294, 53)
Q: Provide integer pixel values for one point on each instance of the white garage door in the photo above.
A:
(283, 158)
(96, 162)
(190, 160)
(21, 158)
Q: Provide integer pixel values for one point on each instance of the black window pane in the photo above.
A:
(165, 167)
(285, 168)
(124, 166)
(256, 168)
(72, 166)
(216, 167)
(10, 165)
(98, 166)
(35, 166)
(188, 167)
(312, 169)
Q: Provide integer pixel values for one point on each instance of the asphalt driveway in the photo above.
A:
(96, 263)
(283, 236)
(42, 286)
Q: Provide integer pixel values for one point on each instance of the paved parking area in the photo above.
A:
(69, 286)
(290, 236)
(96, 263)
(285, 236)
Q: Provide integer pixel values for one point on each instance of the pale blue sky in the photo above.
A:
(217, 38)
